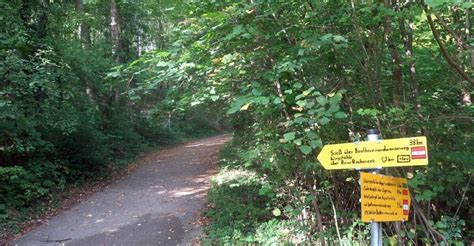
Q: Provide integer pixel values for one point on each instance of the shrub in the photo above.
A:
(237, 206)
(20, 185)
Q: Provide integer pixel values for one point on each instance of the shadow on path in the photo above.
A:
(154, 205)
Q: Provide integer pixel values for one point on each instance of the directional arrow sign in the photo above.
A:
(374, 154)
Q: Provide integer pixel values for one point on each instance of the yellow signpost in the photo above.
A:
(375, 154)
(384, 198)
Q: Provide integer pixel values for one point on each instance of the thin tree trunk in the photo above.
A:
(161, 35)
(365, 64)
(407, 36)
(467, 27)
(319, 219)
(282, 98)
(84, 30)
(466, 95)
(397, 75)
(406, 31)
(43, 20)
(85, 39)
(115, 31)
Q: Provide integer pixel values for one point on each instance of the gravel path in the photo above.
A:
(157, 204)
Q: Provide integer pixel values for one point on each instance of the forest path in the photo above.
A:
(157, 204)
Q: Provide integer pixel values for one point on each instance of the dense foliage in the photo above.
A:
(300, 74)
(291, 75)
(64, 116)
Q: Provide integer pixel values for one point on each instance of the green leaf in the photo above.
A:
(214, 98)
(232, 110)
(339, 38)
(335, 99)
(340, 115)
(239, 29)
(310, 198)
(311, 135)
(300, 120)
(212, 91)
(326, 37)
(298, 141)
(301, 103)
(466, 5)
(277, 100)
(256, 92)
(321, 100)
(298, 97)
(309, 105)
(114, 74)
(289, 136)
(436, 3)
(441, 224)
(305, 149)
(262, 100)
(266, 190)
(324, 120)
(297, 85)
(316, 143)
(276, 212)
(333, 108)
(426, 195)
(308, 91)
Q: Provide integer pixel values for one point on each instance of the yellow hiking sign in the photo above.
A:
(384, 198)
(375, 154)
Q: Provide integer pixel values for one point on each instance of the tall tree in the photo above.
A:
(83, 29)
(115, 32)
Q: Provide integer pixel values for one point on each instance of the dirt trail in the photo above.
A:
(157, 204)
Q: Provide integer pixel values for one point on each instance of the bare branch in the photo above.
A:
(444, 52)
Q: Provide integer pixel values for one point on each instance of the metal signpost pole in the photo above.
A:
(375, 228)
(369, 157)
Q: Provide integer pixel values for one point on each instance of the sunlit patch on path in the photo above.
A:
(155, 205)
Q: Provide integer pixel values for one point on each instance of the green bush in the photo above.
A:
(237, 206)
(19, 185)
(84, 152)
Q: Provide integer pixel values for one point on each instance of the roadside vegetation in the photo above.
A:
(80, 92)
(65, 120)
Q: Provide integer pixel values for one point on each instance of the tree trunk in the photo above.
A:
(467, 27)
(366, 63)
(42, 28)
(397, 76)
(161, 35)
(407, 36)
(84, 30)
(115, 31)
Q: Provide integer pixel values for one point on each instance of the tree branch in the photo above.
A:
(423, 218)
(458, 39)
(444, 52)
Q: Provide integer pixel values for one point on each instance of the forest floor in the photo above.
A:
(158, 203)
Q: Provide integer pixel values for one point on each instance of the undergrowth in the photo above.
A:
(242, 207)
(246, 208)
(40, 188)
